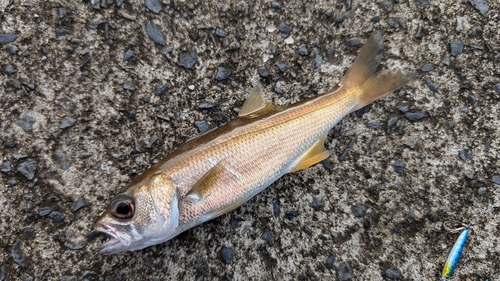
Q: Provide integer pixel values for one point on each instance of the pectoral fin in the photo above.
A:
(204, 186)
(315, 154)
(255, 103)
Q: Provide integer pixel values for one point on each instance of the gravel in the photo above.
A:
(480, 5)
(67, 122)
(17, 254)
(456, 48)
(28, 169)
(26, 122)
(432, 87)
(78, 205)
(62, 159)
(128, 55)
(155, 34)
(398, 166)
(330, 260)
(427, 68)
(414, 116)
(220, 33)
(268, 237)
(222, 73)
(201, 125)
(393, 273)
(344, 272)
(263, 72)
(154, 6)
(358, 211)
(226, 254)
(282, 65)
(188, 59)
(9, 69)
(7, 38)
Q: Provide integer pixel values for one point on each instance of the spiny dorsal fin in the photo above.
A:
(315, 154)
(255, 103)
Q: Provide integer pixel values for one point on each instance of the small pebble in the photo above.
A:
(56, 217)
(414, 116)
(411, 144)
(226, 254)
(411, 213)
(427, 68)
(234, 46)
(268, 237)
(282, 65)
(26, 122)
(12, 182)
(403, 107)
(496, 88)
(17, 254)
(74, 243)
(68, 278)
(432, 87)
(496, 180)
(476, 31)
(167, 50)
(391, 123)
(7, 38)
(128, 55)
(201, 265)
(330, 260)
(78, 205)
(358, 211)
(276, 5)
(235, 222)
(11, 49)
(375, 19)
(329, 13)
(284, 28)
(480, 5)
(28, 169)
(264, 73)
(160, 89)
(67, 122)
(154, 6)
(151, 141)
(220, 33)
(44, 211)
(421, 3)
(317, 205)
(393, 273)
(6, 167)
(291, 215)
(9, 144)
(62, 159)
(354, 42)
(61, 32)
(276, 210)
(481, 191)
(392, 23)
(201, 125)
(155, 34)
(278, 91)
(344, 273)
(456, 48)
(398, 166)
(302, 50)
(61, 12)
(465, 156)
(222, 73)
(388, 6)
(9, 69)
(373, 125)
(307, 230)
(129, 86)
(188, 60)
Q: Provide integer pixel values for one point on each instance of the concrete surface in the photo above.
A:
(75, 80)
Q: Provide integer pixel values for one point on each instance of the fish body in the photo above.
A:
(225, 167)
(454, 255)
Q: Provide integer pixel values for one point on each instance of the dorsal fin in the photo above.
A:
(315, 154)
(255, 103)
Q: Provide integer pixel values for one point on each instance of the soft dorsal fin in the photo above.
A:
(315, 154)
(212, 180)
(255, 103)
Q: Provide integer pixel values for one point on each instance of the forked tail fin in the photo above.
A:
(363, 74)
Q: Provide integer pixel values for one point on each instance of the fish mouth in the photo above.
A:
(117, 240)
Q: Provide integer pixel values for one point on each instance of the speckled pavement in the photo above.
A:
(94, 92)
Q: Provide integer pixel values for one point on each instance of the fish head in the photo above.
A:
(139, 217)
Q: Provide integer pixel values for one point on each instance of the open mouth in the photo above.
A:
(114, 238)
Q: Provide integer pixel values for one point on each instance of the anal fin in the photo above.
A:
(315, 154)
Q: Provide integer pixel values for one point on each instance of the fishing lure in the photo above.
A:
(455, 253)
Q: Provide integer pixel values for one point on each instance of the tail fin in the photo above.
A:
(362, 73)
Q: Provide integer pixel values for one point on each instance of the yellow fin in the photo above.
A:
(362, 73)
(255, 103)
(315, 154)
(204, 186)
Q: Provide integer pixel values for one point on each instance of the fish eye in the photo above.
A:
(122, 207)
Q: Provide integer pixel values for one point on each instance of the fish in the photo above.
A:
(218, 171)
(455, 253)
